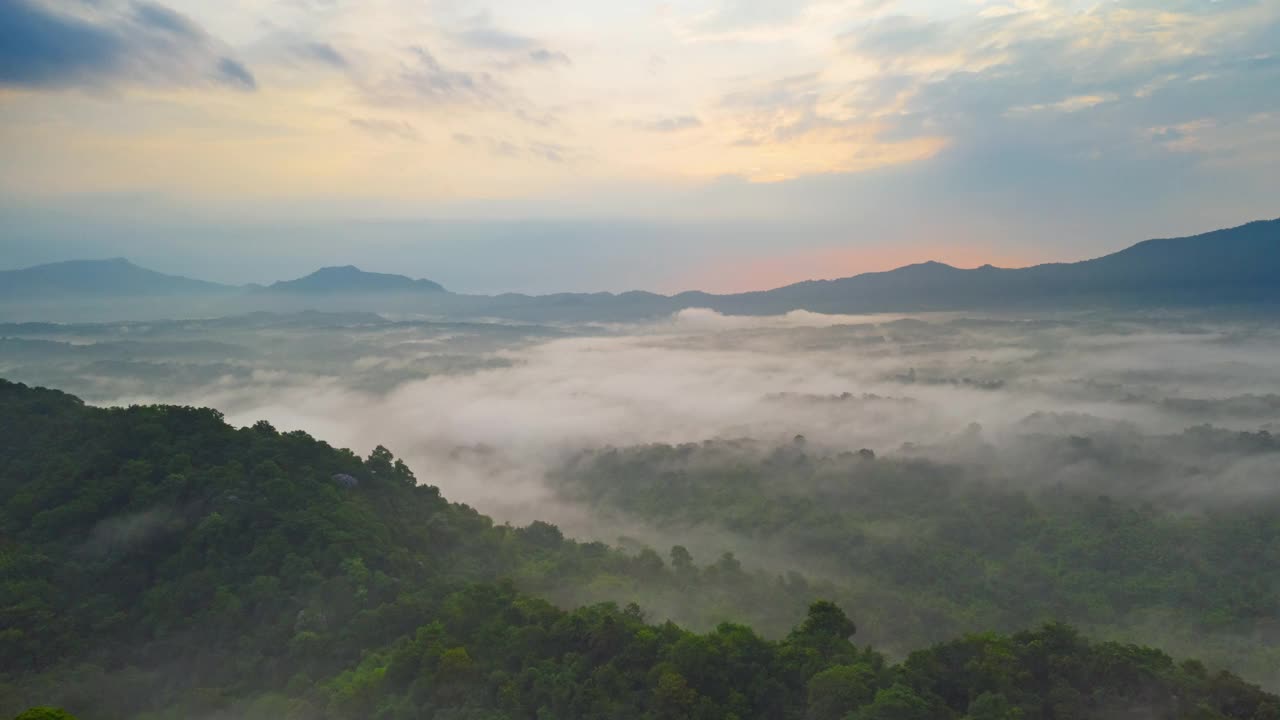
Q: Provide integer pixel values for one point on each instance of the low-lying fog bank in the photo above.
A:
(484, 411)
(882, 455)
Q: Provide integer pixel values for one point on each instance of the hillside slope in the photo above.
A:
(350, 279)
(116, 277)
(157, 563)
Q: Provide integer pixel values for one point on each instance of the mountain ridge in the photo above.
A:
(349, 278)
(110, 276)
(1239, 264)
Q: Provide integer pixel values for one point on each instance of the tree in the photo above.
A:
(673, 699)
(837, 691)
(681, 560)
(992, 706)
(826, 621)
(898, 702)
(45, 713)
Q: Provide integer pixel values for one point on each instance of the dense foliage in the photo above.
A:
(926, 548)
(156, 562)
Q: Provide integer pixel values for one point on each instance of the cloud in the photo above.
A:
(425, 79)
(395, 129)
(323, 53)
(1038, 97)
(782, 109)
(547, 151)
(483, 35)
(673, 123)
(894, 35)
(107, 44)
(984, 101)
(543, 56)
(40, 48)
(745, 14)
(162, 18)
(512, 50)
(236, 74)
(528, 397)
(1066, 105)
(978, 75)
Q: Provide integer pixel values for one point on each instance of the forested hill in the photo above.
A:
(158, 563)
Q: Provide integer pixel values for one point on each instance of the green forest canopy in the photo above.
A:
(157, 563)
(925, 549)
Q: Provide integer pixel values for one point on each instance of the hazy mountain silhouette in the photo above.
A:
(1236, 265)
(116, 277)
(349, 279)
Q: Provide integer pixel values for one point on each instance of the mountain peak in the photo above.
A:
(349, 278)
(112, 277)
(926, 266)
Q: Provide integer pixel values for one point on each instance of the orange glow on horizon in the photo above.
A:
(828, 263)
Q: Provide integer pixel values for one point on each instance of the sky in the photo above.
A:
(592, 145)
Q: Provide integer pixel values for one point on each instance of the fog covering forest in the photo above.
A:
(933, 475)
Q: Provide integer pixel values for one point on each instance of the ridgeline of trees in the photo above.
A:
(158, 563)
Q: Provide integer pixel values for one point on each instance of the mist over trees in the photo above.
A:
(640, 519)
(175, 566)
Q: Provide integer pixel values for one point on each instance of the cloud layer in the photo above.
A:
(1026, 124)
(143, 43)
(484, 411)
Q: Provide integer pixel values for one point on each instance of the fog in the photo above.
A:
(581, 424)
(485, 411)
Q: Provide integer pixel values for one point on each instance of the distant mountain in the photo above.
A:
(1239, 265)
(351, 279)
(116, 277)
(1236, 265)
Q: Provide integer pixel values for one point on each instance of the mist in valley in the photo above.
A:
(878, 423)
(485, 410)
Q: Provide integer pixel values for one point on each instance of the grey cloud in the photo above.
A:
(490, 38)
(539, 118)
(671, 124)
(1031, 101)
(396, 129)
(551, 152)
(323, 53)
(504, 148)
(1195, 7)
(895, 34)
(745, 14)
(162, 18)
(548, 151)
(426, 79)
(513, 49)
(144, 43)
(543, 56)
(236, 74)
(40, 48)
(1038, 69)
